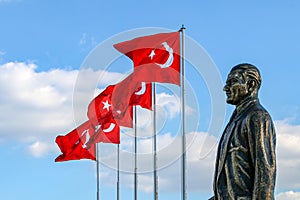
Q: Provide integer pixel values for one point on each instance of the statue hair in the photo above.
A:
(249, 72)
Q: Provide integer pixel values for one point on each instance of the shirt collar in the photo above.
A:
(245, 104)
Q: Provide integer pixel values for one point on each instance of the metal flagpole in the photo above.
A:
(135, 155)
(184, 194)
(118, 173)
(98, 172)
(154, 146)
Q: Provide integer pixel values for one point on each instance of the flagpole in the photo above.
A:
(135, 154)
(98, 171)
(118, 172)
(154, 146)
(184, 194)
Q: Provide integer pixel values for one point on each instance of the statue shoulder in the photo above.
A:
(258, 113)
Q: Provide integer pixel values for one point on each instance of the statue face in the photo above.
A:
(236, 88)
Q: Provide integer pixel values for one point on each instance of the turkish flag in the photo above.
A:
(124, 117)
(106, 133)
(73, 145)
(142, 96)
(102, 110)
(116, 102)
(156, 57)
(130, 92)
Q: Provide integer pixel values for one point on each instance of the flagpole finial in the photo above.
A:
(182, 28)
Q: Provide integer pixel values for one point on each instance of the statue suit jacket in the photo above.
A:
(246, 161)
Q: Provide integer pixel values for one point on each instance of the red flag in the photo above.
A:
(102, 110)
(106, 133)
(143, 96)
(124, 117)
(130, 92)
(80, 143)
(116, 101)
(73, 145)
(156, 57)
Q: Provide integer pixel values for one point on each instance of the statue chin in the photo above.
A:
(231, 101)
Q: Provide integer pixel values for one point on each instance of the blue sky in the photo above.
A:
(43, 44)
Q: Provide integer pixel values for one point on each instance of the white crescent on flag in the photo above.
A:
(142, 90)
(110, 128)
(170, 60)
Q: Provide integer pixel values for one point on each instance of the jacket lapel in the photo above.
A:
(227, 135)
(224, 146)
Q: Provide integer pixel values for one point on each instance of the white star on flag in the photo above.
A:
(106, 105)
(152, 54)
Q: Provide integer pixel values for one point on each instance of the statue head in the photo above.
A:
(243, 82)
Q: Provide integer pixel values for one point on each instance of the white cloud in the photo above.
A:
(37, 106)
(288, 155)
(39, 149)
(34, 104)
(170, 102)
(2, 52)
(290, 195)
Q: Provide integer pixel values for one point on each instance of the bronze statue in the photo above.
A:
(246, 161)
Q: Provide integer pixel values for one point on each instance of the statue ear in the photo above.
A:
(252, 85)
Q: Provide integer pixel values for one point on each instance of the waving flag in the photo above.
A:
(73, 145)
(116, 101)
(106, 133)
(156, 57)
(80, 143)
(142, 96)
(101, 110)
